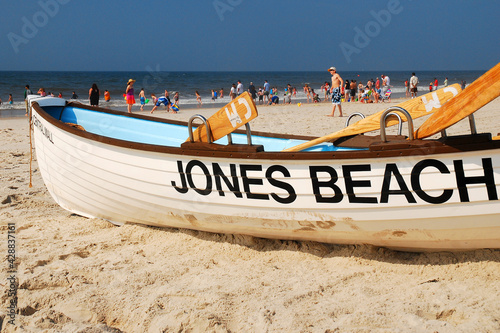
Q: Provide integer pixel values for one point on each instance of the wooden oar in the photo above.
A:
(417, 107)
(235, 114)
(479, 93)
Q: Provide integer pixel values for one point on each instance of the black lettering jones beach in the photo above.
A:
(244, 180)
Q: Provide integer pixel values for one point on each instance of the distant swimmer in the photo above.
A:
(107, 96)
(11, 101)
(74, 96)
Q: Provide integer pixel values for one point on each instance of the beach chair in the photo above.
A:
(386, 96)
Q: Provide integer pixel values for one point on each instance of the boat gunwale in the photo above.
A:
(399, 148)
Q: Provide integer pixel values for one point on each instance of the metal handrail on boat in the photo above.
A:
(392, 111)
(354, 115)
(205, 122)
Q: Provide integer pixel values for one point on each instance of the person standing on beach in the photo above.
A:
(198, 98)
(307, 91)
(267, 90)
(413, 85)
(336, 89)
(233, 91)
(129, 95)
(27, 91)
(176, 98)
(347, 90)
(435, 83)
(167, 96)
(252, 91)
(239, 88)
(142, 98)
(94, 95)
(445, 82)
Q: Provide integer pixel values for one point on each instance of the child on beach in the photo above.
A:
(198, 98)
(159, 101)
(154, 98)
(142, 97)
(307, 91)
(10, 99)
(107, 96)
(315, 97)
(430, 86)
(176, 98)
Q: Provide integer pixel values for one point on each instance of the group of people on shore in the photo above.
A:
(157, 101)
(265, 94)
(374, 91)
(351, 91)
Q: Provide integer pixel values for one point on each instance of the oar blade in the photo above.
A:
(479, 93)
(235, 114)
(417, 107)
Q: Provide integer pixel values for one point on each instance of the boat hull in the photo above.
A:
(417, 203)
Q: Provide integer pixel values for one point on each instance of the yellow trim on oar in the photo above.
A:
(479, 93)
(235, 114)
(417, 107)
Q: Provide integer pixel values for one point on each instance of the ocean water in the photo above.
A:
(186, 83)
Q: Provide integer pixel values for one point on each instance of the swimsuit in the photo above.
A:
(130, 96)
(162, 100)
(336, 96)
(143, 100)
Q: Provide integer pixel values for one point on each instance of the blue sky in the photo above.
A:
(244, 35)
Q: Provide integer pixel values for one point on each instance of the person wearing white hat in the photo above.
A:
(129, 95)
(336, 90)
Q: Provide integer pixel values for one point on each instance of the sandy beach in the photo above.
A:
(86, 275)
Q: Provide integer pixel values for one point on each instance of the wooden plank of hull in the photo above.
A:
(96, 179)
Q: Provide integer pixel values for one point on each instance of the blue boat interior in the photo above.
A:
(159, 133)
